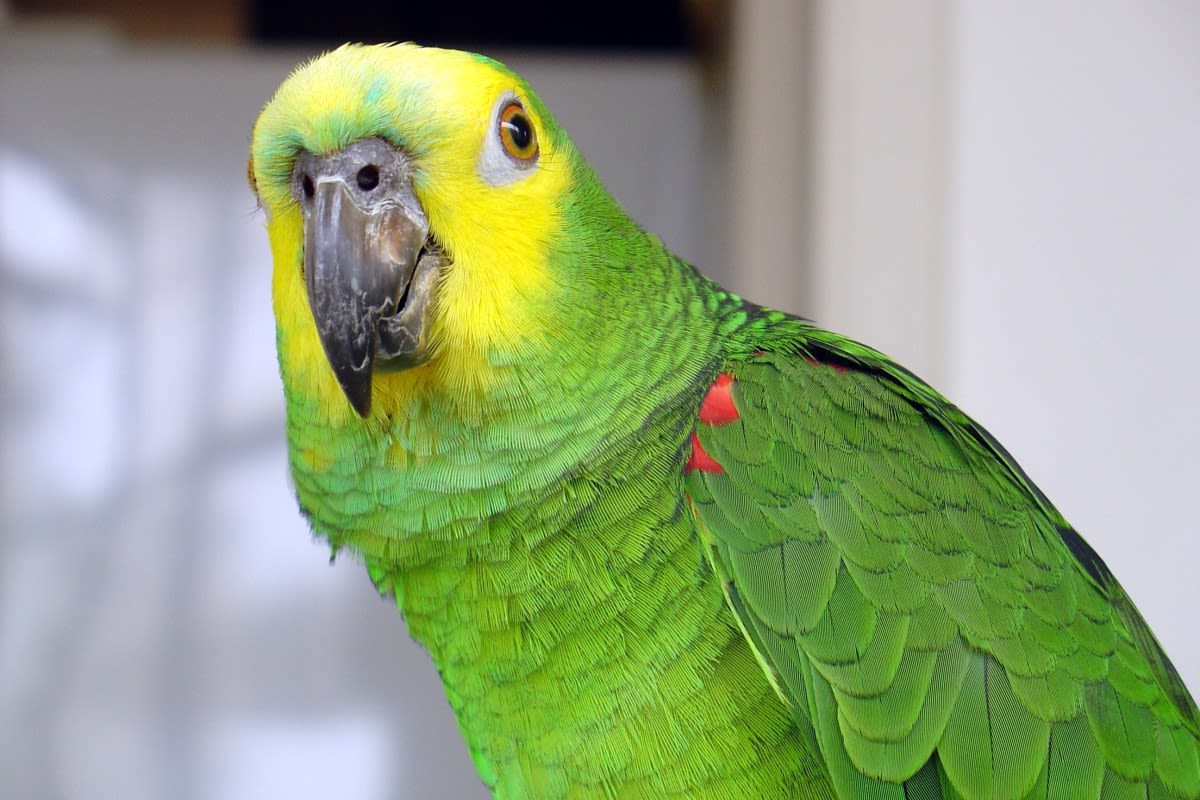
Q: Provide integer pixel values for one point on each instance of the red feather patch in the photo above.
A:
(700, 459)
(718, 407)
(816, 363)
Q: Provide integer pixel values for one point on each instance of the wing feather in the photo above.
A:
(937, 626)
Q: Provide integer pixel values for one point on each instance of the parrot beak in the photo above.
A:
(369, 264)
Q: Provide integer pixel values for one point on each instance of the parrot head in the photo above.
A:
(413, 196)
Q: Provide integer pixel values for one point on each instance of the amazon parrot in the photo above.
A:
(658, 540)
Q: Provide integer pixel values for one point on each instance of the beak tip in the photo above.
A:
(362, 406)
(356, 385)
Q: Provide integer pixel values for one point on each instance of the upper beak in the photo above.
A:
(362, 243)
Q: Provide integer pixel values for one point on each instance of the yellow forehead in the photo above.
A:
(437, 105)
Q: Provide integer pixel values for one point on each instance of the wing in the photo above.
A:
(937, 626)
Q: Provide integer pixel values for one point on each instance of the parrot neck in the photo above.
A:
(546, 558)
(585, 645)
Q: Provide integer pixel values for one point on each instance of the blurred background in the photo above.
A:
(1004, 196)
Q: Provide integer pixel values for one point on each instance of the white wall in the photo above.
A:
(1074, 274)
(879, 176)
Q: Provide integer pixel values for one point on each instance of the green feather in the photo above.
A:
(932, 521)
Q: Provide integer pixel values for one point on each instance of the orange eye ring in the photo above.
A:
(517, 133)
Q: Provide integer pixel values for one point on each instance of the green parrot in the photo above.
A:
(658, 540)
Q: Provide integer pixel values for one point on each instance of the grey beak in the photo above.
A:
(363, 234)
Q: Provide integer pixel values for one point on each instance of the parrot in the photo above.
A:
(658, 540)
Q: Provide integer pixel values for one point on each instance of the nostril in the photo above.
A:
(368, 177)
(306, 186)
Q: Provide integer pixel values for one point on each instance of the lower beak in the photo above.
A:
(359, 260)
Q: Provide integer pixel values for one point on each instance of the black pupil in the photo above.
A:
(368, 177)
(519, 131)
(306, 185)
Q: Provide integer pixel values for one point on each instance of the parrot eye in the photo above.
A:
(306, 186)
(510, 148)
(516, 133)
